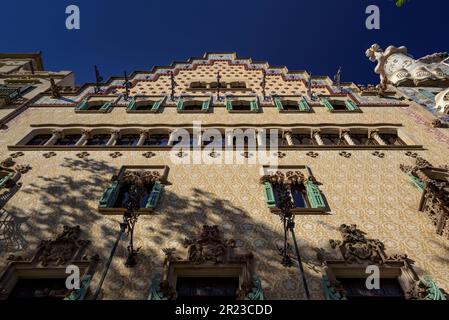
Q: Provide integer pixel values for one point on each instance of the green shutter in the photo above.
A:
(254, 106)
(180, 105)
(330, 292)
(5, 180)
(153, 199)
(229, 105)
(110, 195)
(106, 106)
(351, 105)
(278, 104)
(427, 94)
(83, 105)
(314, 195)
(269, 195)
(327, 104)
(157, 105)
(132, 105)
(80, 294)
(417, 182)
(206, 105)
(303, 105)
(434, 292)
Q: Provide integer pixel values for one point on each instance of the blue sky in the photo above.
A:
(314, 35)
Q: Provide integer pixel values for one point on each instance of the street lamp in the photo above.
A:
(285, 204)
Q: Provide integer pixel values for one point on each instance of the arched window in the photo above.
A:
(128, 140)
(98, 140)
(39, 140)
(68, 140)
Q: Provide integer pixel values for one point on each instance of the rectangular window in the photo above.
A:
(207, 288)
(41, 289)
(355, 288)
(242, 105)
(291, 105)
(336, 105)
(145, 104)
(94, 104)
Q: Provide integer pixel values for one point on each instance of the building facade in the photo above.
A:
(362, 170)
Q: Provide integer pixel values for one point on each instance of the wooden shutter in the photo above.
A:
(80, 293)
(229, 105)
(180, 105)
(254, 106)
(327, 104)
(83, 105)
(278, 104)
(5, 180)
(351, 105)
(314, 195)
(206, 105)
(157, 105)
(269, 195)
(110, 195)
(155, 194)
(417, 182)
(303, 105)
(106, 106)
(132, 105)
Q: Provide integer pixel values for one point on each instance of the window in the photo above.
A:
(98, 140)
(337, 105)
(128, 140)
(42, 289)
(116, 196)
(238, 85)
(39, 140)
(355, 289)
(68, 140)
(220, 142)
(291, 105)
(360, 139)
(392, 139)
(160, 140)
(303, 190)
(242, 105)
(194, 105)
(94, 105)
(193, 141)
(215, 85)
(303, 140)
(279, 139)
(332, 139)
(207, 288)
(198, 85)
(144, 104)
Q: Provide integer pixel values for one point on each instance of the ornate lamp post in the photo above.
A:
(263, 84)
(127, 84)
(98, 80)
(173, 85)
(136, 181)
(218, 85)
(288, 219)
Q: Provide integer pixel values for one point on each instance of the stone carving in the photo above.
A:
(395, 66)
(442, 102)
(209, 246)
(290, 177)
(356, 248)
(62, 249)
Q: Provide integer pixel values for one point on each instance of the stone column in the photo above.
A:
(288, 137)
(56, 135)
(229, 138)
(85, 136)
(261, 142)
(114, 136)
(345, 134)
(199, 139)
(171, 138)
(374, 134)
(317, 137)
(143, 136)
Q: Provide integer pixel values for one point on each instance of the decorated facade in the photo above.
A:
(100, 177)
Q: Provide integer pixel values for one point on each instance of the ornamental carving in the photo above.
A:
(435, 197)
(209, 246)
(357, 248)
(63, 249)
(280, 178)
(209, 251)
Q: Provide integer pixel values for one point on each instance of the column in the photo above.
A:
(56, 135)
(261, 135)
(288, 137)
(114, 136)
(200, 139)
(229, 138)
(143, 136)
(171, 138)
(345, 134)
(84, 138)
(374, 134)
(317, 137)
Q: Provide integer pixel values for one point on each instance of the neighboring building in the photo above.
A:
(22, 77)
(212, 227)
